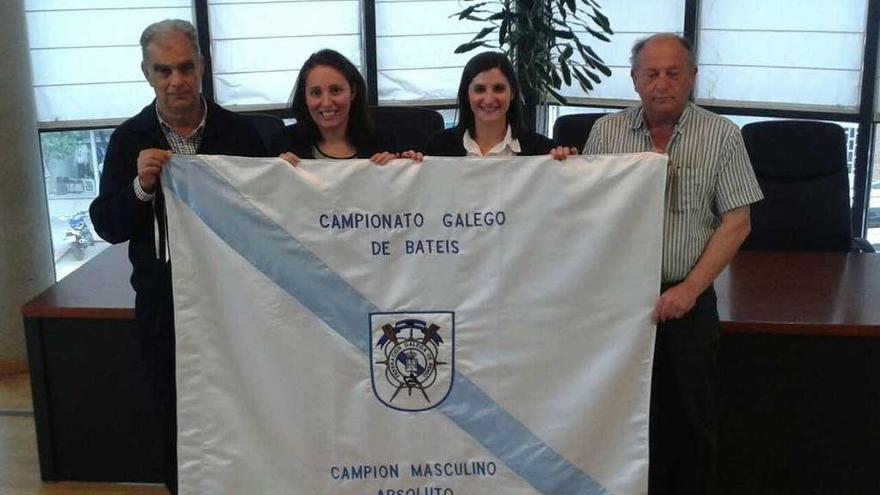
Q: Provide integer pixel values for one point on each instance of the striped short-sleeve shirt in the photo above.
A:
(709, 173)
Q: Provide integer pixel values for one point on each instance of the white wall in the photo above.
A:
(25, 247)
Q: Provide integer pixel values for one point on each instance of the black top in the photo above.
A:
(118, 215)
(302, 146)
(450, 142)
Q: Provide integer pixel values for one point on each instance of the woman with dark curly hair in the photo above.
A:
(329, 103)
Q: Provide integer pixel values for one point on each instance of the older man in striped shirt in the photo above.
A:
(709, 186)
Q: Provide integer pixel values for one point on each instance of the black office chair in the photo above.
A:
(801, 167)
(271, 129)
(410, 126)
(572, 130)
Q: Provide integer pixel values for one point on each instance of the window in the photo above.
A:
(779, 56)
(85, 56)
(85, 61)
(877, 93)
(72, 164)
(873, 218)
(415, 45)
(631, 21)
(258, 47)
(786, 53)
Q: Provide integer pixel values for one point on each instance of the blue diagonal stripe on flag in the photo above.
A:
(280, 257)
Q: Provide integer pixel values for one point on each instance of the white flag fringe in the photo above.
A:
(452, 327)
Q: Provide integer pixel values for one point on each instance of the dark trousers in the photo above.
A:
(684, 391)
(157, 354)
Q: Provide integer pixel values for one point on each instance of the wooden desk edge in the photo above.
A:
(800, 328)
(727, 327)
(108, 264)
(78, 313)
(98, 290)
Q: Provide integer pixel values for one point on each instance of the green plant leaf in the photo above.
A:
(557, 96)
(566, 35)
(483, 33)
(503, 15)
(465, 14)
(582, 50)
(602, 21)
(559, 21)
(563, 11)
(502, 33)
(539, 37)
(566, 54)
(466, 47)
(554, 78)
(583, 80)
(593, 60)
(597, 34)
(566, 72)
(594, 54)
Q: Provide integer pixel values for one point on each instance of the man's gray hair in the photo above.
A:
(165, 27)
(640, 45)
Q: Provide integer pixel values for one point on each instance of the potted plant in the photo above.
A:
(541, 39)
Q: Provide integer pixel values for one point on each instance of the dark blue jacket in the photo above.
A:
(118, 215)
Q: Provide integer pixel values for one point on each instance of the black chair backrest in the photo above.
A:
(271, 130)
(410, 126)
(801, 167)
(572, 130)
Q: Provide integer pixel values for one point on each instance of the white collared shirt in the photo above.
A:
(507, 147)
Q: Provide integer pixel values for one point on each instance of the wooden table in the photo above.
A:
(98, 289)
(800, 398)
(760, 292)
(800, 380)
(801, 294)
(91, 408)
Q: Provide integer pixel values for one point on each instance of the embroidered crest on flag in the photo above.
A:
(412, 358)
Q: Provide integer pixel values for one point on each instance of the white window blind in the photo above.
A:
(784, 53)
(631, 20)
(258, 46)
(85, 55)
(415, 44)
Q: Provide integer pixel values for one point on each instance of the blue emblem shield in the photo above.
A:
(412, 358)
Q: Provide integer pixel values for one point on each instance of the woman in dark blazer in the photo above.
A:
(329, 103)
(490, 116)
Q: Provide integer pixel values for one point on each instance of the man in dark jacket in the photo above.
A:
(130, 206)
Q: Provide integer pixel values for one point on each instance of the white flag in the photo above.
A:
(457, 326)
